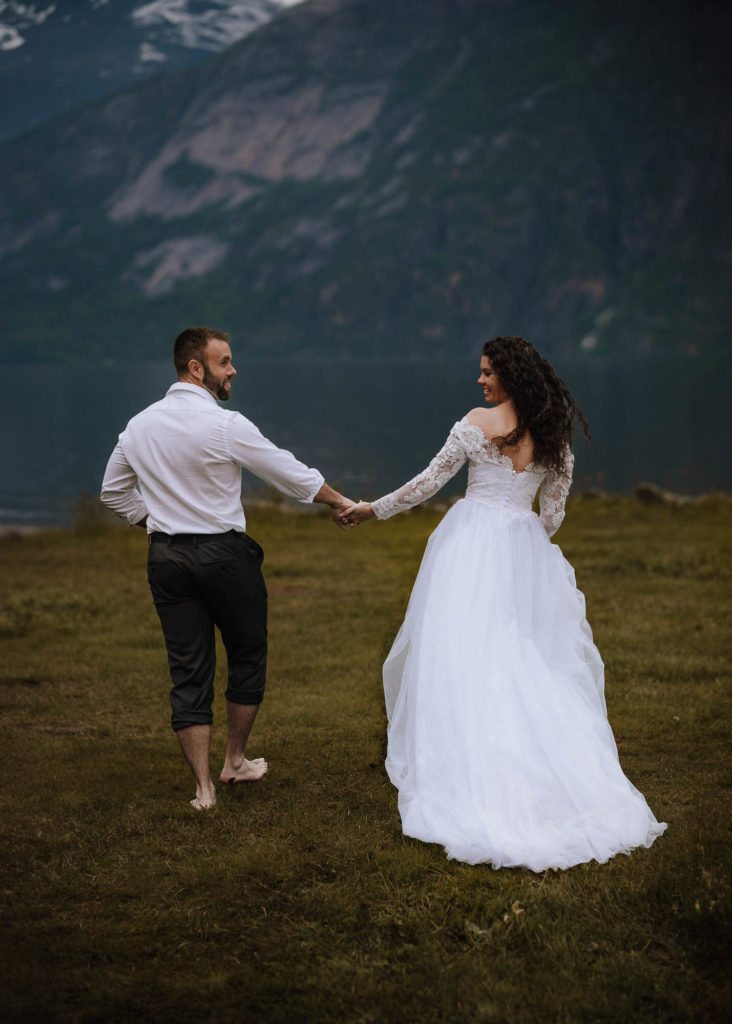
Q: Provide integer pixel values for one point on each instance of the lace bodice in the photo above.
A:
(492, 479)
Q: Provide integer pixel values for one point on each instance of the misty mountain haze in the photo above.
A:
(370, 179)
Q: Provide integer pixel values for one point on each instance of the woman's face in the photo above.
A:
(488, 380)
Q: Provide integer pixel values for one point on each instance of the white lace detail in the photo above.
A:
(460, 443)
(489, 449)
(553, 495)
(467, 441)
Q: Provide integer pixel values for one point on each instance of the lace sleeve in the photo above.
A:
(443, 467)
(553, 495)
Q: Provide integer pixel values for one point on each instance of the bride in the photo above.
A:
(498, 738)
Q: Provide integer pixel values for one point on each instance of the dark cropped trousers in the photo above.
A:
(199, 581)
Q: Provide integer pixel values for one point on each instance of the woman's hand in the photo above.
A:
(358, 514)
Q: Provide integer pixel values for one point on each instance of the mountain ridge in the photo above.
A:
(350, 181)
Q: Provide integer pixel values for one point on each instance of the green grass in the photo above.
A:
(298, 899)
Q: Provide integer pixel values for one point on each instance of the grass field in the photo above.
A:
(297, 899)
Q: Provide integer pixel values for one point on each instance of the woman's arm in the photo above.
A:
(442, 468)
(553, 495)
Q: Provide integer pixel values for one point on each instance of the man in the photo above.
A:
(176, 470)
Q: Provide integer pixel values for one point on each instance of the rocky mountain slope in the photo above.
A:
(367, 179)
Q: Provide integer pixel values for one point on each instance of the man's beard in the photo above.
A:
(215, 387)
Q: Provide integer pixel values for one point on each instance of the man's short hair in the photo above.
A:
(191, 344)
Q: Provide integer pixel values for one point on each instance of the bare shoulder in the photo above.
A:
(480, 416)
(490, 421)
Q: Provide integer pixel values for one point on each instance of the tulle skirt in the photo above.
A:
(498, 738)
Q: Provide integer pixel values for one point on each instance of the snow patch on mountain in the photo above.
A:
(209, 25)
(16, 18)
(204, 24)
(150, 53)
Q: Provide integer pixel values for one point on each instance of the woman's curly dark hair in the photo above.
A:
(543, 403)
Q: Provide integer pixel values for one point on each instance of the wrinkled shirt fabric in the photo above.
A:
(179, 463)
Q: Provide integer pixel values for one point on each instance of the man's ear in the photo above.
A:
(195, 369)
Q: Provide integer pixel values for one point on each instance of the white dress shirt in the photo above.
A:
(179, 461)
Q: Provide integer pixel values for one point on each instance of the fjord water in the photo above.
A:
(368, 427)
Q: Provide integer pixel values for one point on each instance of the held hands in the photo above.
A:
(357, 513)
(344, 512)
(339, 510)
(339, 505)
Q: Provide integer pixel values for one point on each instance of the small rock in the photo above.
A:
(652, 494)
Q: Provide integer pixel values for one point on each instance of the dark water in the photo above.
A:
(367, 428)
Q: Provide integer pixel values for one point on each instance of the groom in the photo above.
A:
(176, 470)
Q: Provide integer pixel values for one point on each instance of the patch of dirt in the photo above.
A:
(60, 730)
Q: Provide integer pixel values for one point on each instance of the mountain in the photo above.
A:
(91, 48)
(361, 179)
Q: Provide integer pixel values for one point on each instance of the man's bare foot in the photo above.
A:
(247, 771)
(204, 799)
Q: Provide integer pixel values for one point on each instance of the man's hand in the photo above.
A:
(359, 513)
(339, 506)
(339, 512)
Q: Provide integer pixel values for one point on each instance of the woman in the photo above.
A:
(499, 742)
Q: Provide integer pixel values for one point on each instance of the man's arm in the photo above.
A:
(119, 490)
(252, 450)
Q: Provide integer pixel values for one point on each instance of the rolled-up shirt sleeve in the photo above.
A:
(251, 449)
(120, 490)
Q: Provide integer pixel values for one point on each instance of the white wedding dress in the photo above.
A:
(498, 738)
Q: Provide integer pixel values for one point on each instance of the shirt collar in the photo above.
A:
(194, 389)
